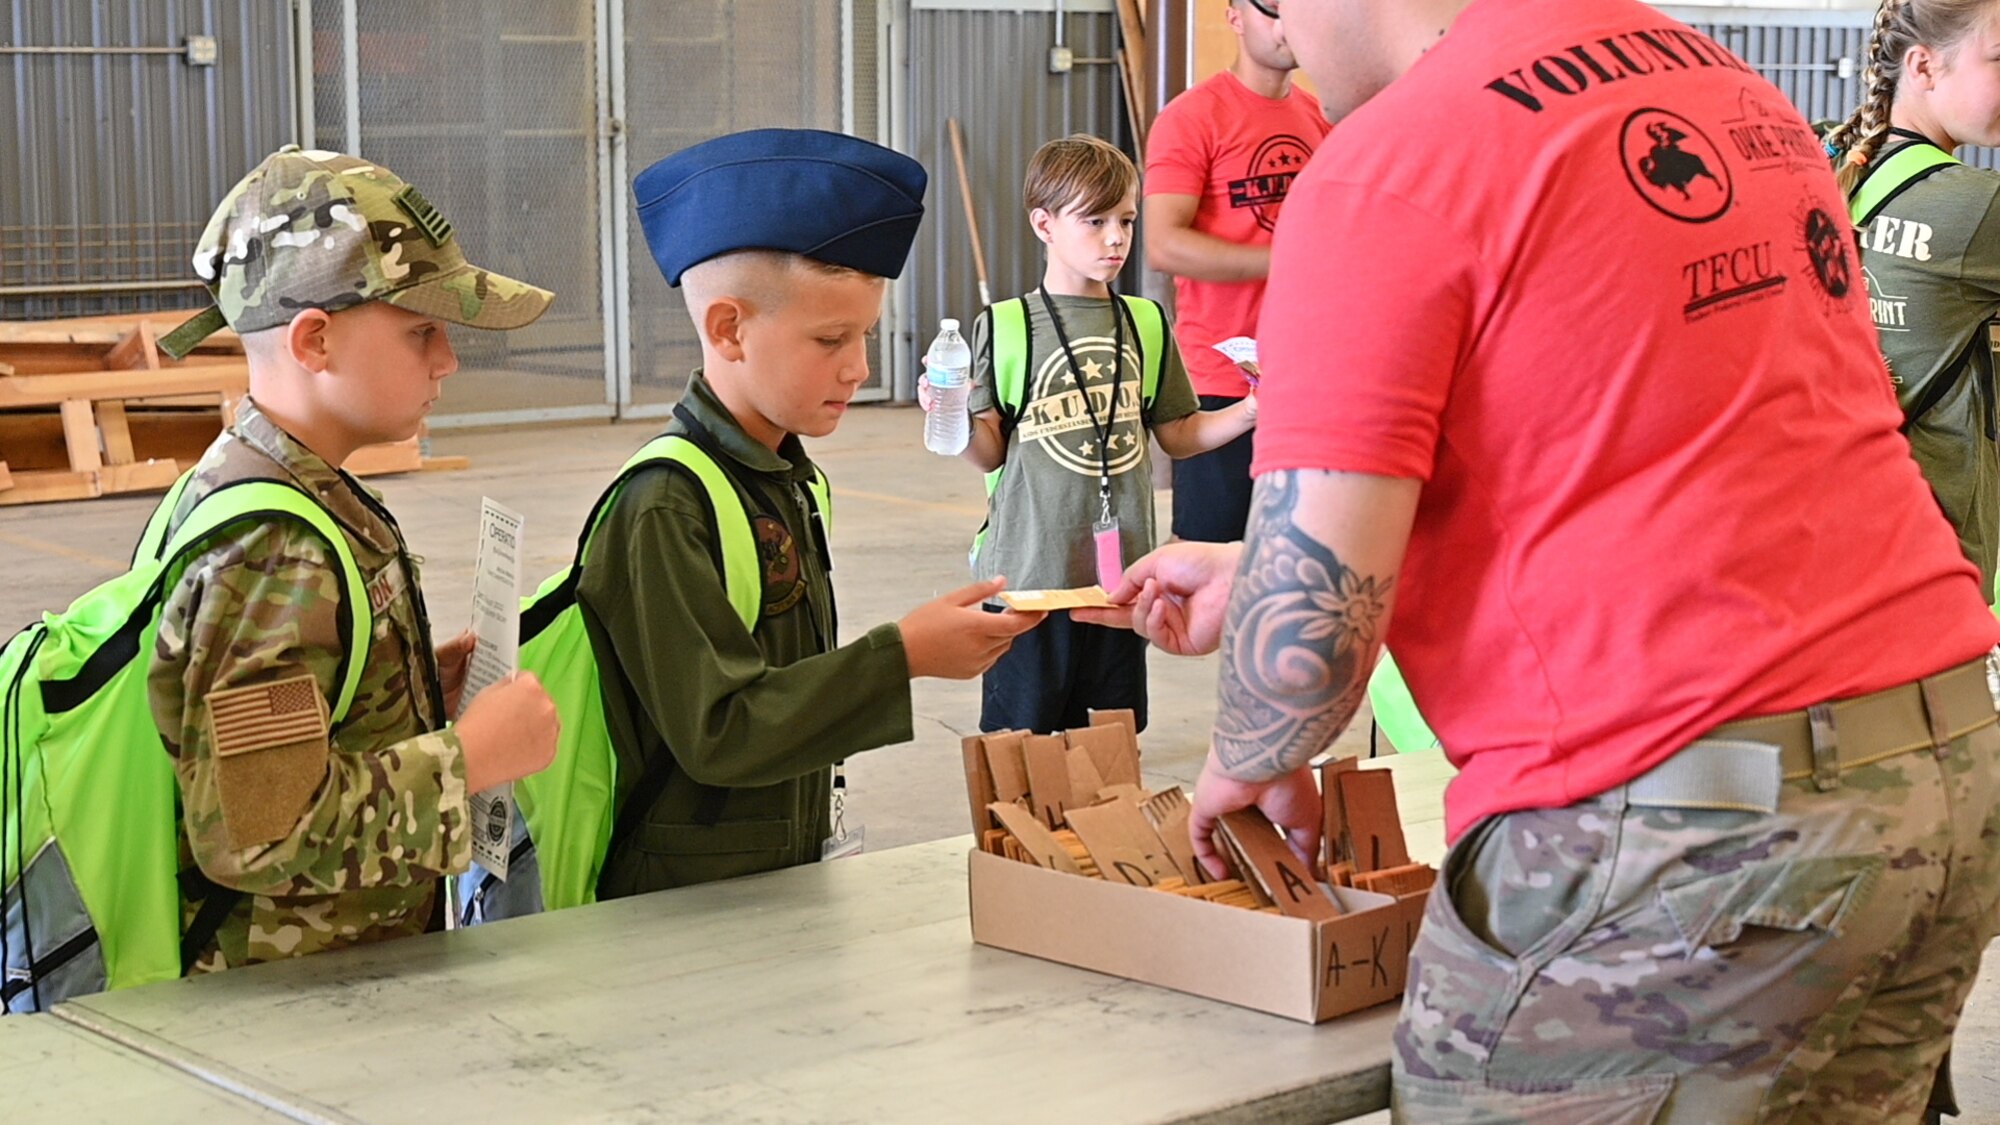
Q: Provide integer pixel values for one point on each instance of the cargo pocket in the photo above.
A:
(1797, 895)
(695, 853)
(1635, 1100)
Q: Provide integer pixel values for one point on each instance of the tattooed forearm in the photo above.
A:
(1300, 641)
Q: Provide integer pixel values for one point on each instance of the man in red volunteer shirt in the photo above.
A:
(1567, 363)
(1219, 161)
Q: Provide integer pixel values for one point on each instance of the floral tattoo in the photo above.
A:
(1301, 639)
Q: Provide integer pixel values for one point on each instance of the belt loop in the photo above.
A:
(1927, 689)
(1825, 747)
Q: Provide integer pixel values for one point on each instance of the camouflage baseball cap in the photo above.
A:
(320, 230)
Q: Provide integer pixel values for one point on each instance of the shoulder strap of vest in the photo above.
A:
(256, 499)
(1008, 337)
(155, 535)
(742, 576)
(1890, 176)
(1149, 325)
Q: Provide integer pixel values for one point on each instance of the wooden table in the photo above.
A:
(847, 991)
(55, 1073)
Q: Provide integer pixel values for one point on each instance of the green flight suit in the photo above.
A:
(750, 722)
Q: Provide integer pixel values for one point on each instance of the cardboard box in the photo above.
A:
(1308, 970)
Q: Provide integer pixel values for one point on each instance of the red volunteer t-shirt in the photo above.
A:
(1238, 152)
(1590, 278)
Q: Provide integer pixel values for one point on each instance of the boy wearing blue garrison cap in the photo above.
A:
(726, 694)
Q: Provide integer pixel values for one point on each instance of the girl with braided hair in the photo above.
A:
(1929, 228)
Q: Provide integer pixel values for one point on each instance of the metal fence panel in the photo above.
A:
(694, 70)
(491, 109)
(110, 163)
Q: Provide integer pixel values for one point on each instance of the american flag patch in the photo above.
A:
(284, 713)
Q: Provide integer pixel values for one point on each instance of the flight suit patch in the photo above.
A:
(778, 562)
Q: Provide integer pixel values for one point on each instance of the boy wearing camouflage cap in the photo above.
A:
(298, 838)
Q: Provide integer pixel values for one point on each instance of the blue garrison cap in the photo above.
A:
(828, 196)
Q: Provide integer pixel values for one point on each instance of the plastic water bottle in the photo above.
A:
(948, 366)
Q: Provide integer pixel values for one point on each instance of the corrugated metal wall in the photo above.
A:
(110, 164)
(989, 69)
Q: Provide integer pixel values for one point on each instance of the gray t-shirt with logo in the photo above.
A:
(1931, 260)
(1039, 534)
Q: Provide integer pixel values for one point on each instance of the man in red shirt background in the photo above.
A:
(1219, 161)
(1570, 375)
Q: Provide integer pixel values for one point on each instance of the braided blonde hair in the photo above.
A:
(1899, 25)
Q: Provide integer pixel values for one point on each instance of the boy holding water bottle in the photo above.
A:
(1067, 384)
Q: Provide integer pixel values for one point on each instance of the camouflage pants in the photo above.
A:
(1613, 963)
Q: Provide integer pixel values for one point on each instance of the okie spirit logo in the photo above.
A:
(1674, 166)
(1057, 418)
(1276, 163)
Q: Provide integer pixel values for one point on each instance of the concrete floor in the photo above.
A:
(903, 520)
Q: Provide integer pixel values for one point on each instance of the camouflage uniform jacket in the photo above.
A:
(342, 839)
(752, 720)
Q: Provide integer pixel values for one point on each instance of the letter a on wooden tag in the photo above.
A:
(1269, 861)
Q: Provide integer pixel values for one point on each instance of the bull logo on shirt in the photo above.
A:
(1276, 163)
(1674, 167)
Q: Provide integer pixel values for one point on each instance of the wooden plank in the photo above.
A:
(450, 464)
(117, 433)
(394, 457)
(53, 390)
(146, 476)
(42, 487)
(136, 350)
(80, 436)
(1132, 60)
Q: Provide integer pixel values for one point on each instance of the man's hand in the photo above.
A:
(954, 639)
(1178, 596)
(453, 658)
(1292, 802)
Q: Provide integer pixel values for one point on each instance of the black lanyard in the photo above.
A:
(1102, 431)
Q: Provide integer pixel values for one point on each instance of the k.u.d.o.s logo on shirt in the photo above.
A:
(778, 562)
(1674, 167)
(1273, 167)
(1058, 415)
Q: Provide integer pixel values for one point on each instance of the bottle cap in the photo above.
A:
(948, 325)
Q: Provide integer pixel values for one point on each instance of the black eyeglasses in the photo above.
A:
(1268, 7)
